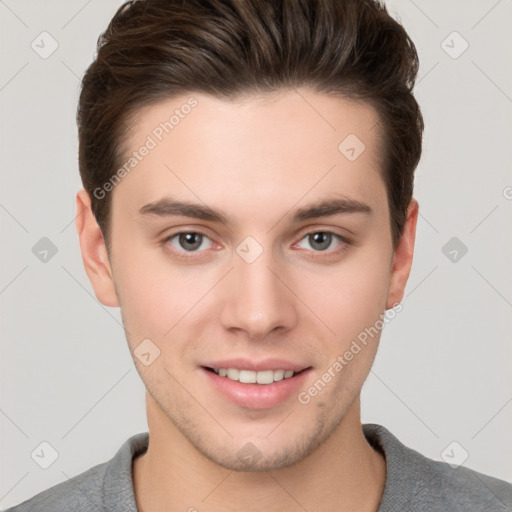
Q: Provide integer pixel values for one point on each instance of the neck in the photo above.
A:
(344, 473)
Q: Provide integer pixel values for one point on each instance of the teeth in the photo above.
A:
(250, 377)
(278, 375)
(233, 374)
(247, 377)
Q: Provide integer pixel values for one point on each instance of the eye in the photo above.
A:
(188, 241)
(320, 241)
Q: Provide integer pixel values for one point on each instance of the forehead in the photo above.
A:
(261, 149)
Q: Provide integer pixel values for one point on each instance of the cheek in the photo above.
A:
(159, 300)
(150, 298)
(352, 306)
(348, 296)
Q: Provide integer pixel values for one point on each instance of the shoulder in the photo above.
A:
(415, 482)
(106, 486)
(78, 493)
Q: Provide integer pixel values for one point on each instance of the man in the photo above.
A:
(248, 177)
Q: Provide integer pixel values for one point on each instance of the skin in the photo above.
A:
(258, 159)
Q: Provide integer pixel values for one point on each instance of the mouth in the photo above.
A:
(263, 377)
(256, 386)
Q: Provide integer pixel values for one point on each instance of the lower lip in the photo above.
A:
(257, 396)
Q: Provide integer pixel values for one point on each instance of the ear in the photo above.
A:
(402, 259)
(94, 251)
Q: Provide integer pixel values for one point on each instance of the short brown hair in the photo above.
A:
(153, 50)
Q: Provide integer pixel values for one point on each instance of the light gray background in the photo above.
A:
(443, 372)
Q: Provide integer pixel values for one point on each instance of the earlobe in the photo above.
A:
(403, 255)
(94, 251)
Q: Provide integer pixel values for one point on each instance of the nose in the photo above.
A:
(257, 298)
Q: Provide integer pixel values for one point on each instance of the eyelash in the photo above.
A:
(345, 243)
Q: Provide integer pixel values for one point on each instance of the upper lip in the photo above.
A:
(256, 366)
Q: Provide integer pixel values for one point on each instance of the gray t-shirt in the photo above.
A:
(414, 483)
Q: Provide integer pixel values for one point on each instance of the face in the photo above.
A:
(248, 241)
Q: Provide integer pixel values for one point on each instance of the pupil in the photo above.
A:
(190, 240)
(321, 239)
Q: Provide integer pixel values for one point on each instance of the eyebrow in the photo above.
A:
(168, 207)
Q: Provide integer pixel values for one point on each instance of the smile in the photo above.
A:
(253, 377)
(259, 388)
